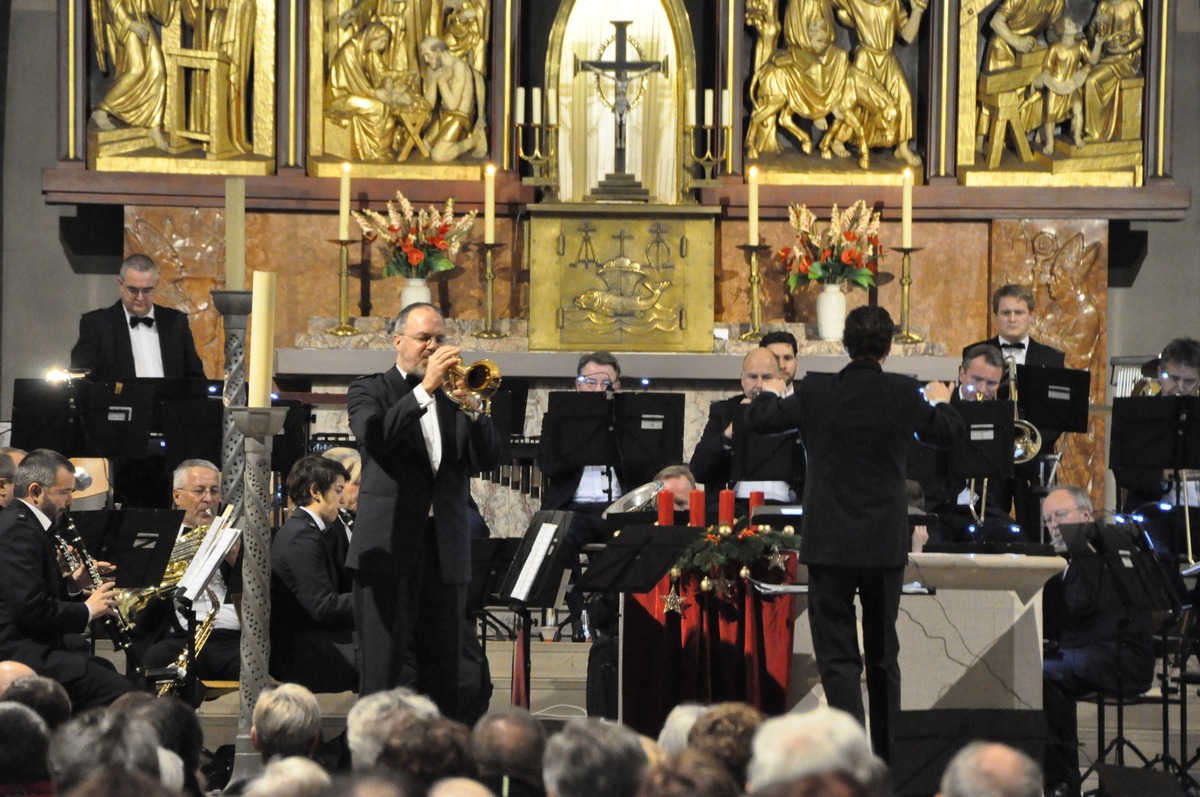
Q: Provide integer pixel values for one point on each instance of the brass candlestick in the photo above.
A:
(344, 328)
(544, 157)
(709, 160)
(489, 276)
(752, 252)
(905, 335)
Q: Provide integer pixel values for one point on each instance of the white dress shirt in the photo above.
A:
(1016, 354)
(147, 351)
(430, 429)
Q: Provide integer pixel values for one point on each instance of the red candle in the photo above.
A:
(666, 508)
(696, 507)
(725, 514)
(756, 499)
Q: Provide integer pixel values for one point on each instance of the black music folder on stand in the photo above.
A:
(986, 452)
(537, 578)
(1156, 432)
(637, 558)
(137, 541)
(1054, 398)
(491, 559)
(634, 430)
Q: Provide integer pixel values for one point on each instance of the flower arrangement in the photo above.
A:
(848, 250)
(416, 244)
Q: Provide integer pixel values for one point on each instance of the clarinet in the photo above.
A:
(76, 555)
(346, 517)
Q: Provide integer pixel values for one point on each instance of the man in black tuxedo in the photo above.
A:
(411, 551)
(43, 611)
(856, 426)
(1013, 315)
(135, 337)
(312, 619)
(712, 461)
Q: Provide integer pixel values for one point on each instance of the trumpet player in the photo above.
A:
(411, 544)
(43, 611)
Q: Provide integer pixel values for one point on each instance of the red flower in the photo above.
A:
(850, 235)
(851, 257)
(826, 254)
(805, 265)
(415, 256)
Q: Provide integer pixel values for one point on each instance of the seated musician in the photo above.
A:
(1100, 650)
(586, 491)
(312, 618)
(712, 461)
(339, 544)
(197, 491)
(783, 345)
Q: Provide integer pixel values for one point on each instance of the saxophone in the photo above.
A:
(179, 668)
(76, 555)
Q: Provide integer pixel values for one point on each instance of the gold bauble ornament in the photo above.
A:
(744, 572)
(725, 530)
(764, 528)
(705, 584)
(676, 572)
(789, 529)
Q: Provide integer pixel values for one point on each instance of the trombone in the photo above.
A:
(1027, 440)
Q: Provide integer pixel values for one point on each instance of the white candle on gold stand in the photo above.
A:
(344, 204)
(537, 106)
(235, 234)
(520, 103)
(552, 106)
(726, 108)
(689, 104)
(262, 339)
(708, 107)
(752, 184)
(906, 211)
(489, 203)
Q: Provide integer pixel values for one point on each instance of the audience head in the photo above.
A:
(459, 787)
(427, 749)
(673, 738)
(988, 769)
(45, 479)
(373, 784)
(99, 739)
(689, 774)
(726, 733)
(783, 346)
(287, 722)
(293, 776)
(1179, 368)
(589, 757)
(1012, 311)
(316, 483)
(416, 327)
(8, 476)
(758, 366)
(824, 740)
(24, 747)
(868, 333)
(45, 696)
(176, 725)
(1066, 503)
(196, 489)
(137, 282)
(597, 372)
(369, 722)
(509, 741)
(10, 671)
(981, 371)
(116, 782)
(351, 460)
(680, 481)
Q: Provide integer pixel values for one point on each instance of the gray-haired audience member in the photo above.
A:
(101, 739)
(674, 734)
(689, 774)
(372, 784)
(369, 722)
(427, 749)
(589, 757)
(509, 743)
(287, 722)
(458, 787)
(293, 776)
(989, 769)
(113, 782)
(44, 695)
(819, 741)
(24, 746)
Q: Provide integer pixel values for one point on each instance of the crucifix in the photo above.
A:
(621, 71)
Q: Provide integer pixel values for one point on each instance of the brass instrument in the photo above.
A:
(480, 379)
(133, 600)
(76, 555)
(641, 499)
(1027, 440)
(179, 668)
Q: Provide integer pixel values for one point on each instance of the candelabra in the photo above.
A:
(905, 335)
(489, 330)
(543, 158)
(752, 252)
(715, 152)
(344, 327)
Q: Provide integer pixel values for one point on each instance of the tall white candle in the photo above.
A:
(520, 103)
(752, 184)
(708, 107)
(262, 339)
(726, 107)
(537, 106)
(906, 211)
(489, 203)
(552, 106)
(689, 104)
(235, 234)
(344, 204)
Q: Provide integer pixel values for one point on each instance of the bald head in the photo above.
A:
(988, 769)
(759, 365)
(11, 671)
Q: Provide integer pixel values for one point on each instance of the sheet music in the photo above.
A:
(215, 547)
(533, 562)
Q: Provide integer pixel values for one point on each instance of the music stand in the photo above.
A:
(649, 429)
(986, 452)
(637, 558)
(491, 559)
(1054, 398)
(137, 541)
(45, 415)
(583, 432)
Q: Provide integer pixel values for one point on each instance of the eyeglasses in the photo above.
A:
(138, 291)
(200, 492)
(591, 381)
(1186, 383)
(424, 339)
(1057, 516)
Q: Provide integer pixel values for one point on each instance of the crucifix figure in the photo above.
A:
(621, 72)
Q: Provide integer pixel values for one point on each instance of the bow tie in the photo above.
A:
(135, 320)
(1012, 345)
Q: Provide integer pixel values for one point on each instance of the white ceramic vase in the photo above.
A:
(416, 289)
(831, 312)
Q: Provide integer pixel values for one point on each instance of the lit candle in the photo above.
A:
(689, 103)
(752, 182)
(552, 106)
(906, 211)
(666, 508)
(537, 106)
(696, 508)
(520, 103)
(726, 107)
(344, 205)
(489, 203)
(262, 339)
(708, 107)
(725, 507)
(235, 234)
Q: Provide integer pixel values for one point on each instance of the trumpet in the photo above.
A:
(76, 556)
(480, 380)
(1027, 440)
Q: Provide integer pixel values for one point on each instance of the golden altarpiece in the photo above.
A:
(623, 133)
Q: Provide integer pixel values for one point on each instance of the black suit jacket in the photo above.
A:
(712, 461)
(305, 578)
(38, 619)
(398, 482)
(856, 426)
(104, 349)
